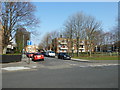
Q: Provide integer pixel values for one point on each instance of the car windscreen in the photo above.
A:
(67, 55)
(63, 53)
(52, 52)
(38, 54)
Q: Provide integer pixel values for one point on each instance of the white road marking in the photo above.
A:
(80, 60)
(34, 66)
(14, 68)
(73, 64)
(100, 65)
(93, 65)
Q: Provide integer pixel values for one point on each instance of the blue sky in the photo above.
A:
(54, 14)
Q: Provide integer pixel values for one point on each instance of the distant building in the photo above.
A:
(31, 48)
(115, 47)
(64, 45)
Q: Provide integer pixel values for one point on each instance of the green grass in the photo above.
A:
(98, 58)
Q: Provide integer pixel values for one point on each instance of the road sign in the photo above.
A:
(29, 42)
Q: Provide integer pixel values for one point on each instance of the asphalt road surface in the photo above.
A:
(57, 73)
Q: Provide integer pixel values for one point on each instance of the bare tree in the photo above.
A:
(47, 40)
(69, 33)
(54, 34)
(115, 30)
(81, 26)
(99, 39)
(107, 38)
(91, 28)
(116, 34)
(74, 29)
(15, 14)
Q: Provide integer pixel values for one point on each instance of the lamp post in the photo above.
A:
(23, 46)
(23, 41)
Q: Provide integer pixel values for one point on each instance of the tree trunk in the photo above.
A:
(77, 46)
(4, 50)
(90, 53)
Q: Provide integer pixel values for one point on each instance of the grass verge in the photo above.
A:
(99, 58)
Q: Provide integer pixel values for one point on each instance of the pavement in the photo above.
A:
(25, 63)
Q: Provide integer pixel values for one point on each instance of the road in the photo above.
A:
(57, 73)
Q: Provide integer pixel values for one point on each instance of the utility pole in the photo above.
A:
(23, 42)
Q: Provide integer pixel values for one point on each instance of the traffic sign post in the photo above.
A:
(29, 42)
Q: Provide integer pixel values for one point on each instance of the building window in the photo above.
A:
(63, 46)
(81, 42)
(81, 46)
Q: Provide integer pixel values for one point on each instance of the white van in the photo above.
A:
(50, 53)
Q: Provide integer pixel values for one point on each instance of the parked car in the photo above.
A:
(44, 53)
(38, 56)
(64, 56)
(29, 55)
(50, 53)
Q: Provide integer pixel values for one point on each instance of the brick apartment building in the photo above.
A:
(64, 45)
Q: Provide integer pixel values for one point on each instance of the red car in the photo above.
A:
(38, 56)
(30, 55)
